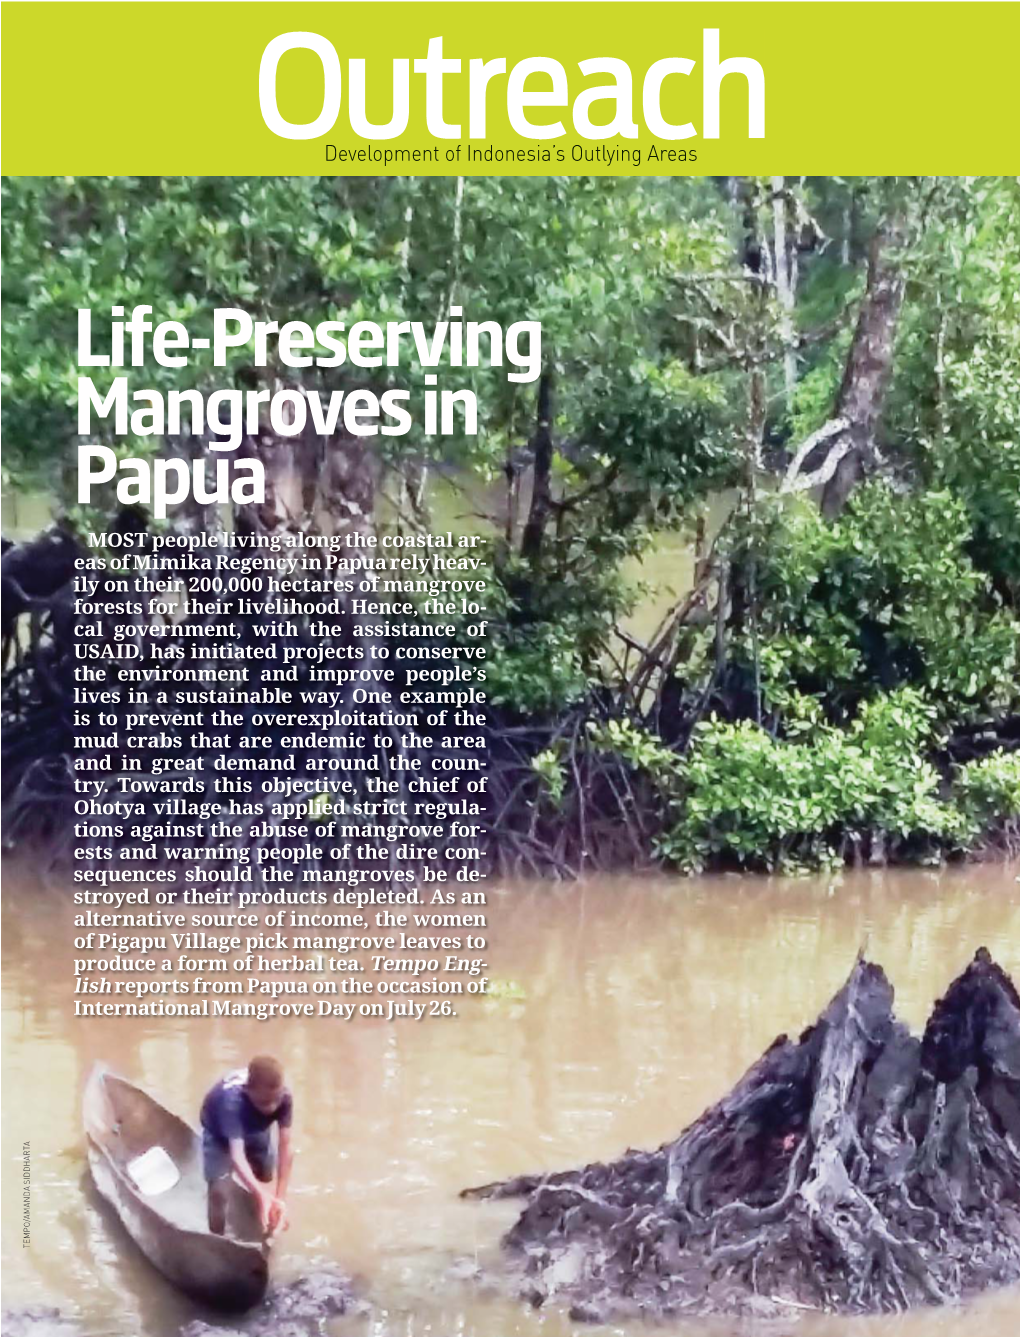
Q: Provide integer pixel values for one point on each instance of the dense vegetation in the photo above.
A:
(833, 364)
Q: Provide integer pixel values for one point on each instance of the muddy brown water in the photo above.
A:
(626, 1006)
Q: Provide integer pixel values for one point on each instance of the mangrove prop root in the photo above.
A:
(854, 1169)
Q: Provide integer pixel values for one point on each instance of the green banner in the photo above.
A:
(522, 88)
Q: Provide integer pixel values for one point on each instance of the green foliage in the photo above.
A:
(762, 800)
(871, 635)
(954, 411)
(889, 594)
(987, 793)
(638, 747)
(810, 405)
(548, 766)
(982, 464)
(670, 429)
(593, 260)
(185, 245)
(549, 628)
(535, 670)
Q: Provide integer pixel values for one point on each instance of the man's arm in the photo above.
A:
(240, 1162)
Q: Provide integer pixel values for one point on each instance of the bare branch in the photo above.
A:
(793, 482)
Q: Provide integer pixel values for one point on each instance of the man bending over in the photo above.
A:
(237, 1120)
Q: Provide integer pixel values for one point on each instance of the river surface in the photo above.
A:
(626, 1006)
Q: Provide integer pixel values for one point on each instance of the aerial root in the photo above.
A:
(856, 1169)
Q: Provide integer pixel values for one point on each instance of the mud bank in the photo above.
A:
(291, 1309)
(855, 1169)
(39, 1321)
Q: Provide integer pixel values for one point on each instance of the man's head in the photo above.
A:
(264, 1086)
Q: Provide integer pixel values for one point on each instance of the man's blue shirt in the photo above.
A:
(227, 1113)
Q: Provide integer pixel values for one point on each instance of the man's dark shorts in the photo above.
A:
(258, 1147)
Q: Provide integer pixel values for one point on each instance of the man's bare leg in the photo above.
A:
(218, 1206)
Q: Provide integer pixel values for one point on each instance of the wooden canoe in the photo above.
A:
(147, 1164)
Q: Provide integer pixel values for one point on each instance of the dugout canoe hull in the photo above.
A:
(169, 1226)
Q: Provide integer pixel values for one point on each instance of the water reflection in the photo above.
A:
(636, 1002)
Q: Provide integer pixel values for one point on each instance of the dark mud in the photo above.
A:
(856, 1169)
(39, 1321)
(291, 1309)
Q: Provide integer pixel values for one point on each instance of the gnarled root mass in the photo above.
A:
(855, 1169)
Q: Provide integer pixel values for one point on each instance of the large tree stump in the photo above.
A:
(854, 1169)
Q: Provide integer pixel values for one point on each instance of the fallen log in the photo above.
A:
(855, 1169)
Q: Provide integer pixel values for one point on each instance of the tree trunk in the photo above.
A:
(862, 392)
(854, 1169)
(541, 491)
(784, 268)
